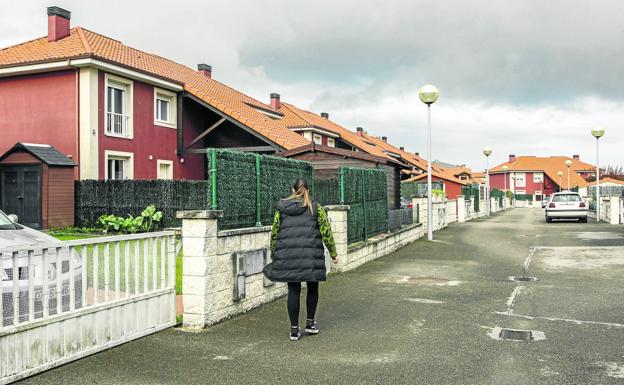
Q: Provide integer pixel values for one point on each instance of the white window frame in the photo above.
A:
(540, 178)
(161, 162)
(172, 98)
(316, 136)
(120, 155)
(521, 192)
(331, 142)
(128, 86)
(520, 176)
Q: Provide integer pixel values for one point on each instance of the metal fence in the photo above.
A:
(112, 289)
(400, 217)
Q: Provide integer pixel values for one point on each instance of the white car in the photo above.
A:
(566, 205)
(15, 236)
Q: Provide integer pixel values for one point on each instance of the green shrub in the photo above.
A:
(142, 223)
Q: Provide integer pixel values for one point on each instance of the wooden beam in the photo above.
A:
(208, 131)
(242, 149)
(180, 119)
(276, 147)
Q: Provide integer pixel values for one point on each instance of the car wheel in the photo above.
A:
(583, 220)
(548, 220)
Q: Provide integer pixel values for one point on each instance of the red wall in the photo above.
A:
(497, 182)
(149, 139)
(451, 189)
(40, 108)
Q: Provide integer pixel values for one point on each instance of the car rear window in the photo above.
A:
(566, 198)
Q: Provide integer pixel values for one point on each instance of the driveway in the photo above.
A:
(430, 313)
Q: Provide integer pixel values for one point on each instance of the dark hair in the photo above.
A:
(301, 190)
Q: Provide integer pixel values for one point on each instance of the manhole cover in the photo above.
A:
(524, 279)
(516, 335)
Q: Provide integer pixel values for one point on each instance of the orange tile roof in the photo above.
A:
(295, 117)
(409, 157)
(440, 175)
(82, 43)
(610, 180)
(549, 166)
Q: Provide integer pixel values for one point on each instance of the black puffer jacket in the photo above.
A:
(299, 254)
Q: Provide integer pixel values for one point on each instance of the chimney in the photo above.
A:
(360, 131)
(324, 115)
(275, 101)
(205, 70)
(576, 157)
(512, 158)
(402, 148)
(417, 153)
(58, 23)
(384, 138)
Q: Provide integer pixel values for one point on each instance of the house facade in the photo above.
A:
(539, 176)
(120, 113)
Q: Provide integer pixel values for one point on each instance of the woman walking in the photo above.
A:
(300, 228)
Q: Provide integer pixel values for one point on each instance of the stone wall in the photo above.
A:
(208, 269)
(438, 215)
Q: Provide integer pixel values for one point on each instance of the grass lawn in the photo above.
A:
(144, 250)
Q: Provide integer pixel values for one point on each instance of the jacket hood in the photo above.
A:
(291, 206)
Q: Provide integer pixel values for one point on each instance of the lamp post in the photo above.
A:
(560, 174)
(428, 94)
(568, 164)
(597, 132)
(487, 152)
(505, 168)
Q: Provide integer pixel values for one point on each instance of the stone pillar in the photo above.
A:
(199, 242)
(422, 211)
(337, 215)
(461, 210)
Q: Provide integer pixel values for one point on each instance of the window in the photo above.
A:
(331, 142)
(165, 169)
(318, 139)
(538, 177)
(164, 108)
(119, 165)
(118, 102)
(521, 192)
(520, 179)
(117, 169)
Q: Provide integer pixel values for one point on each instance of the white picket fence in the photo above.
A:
(66, 300)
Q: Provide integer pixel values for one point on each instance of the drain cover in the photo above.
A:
(524, 279)
(516, 335)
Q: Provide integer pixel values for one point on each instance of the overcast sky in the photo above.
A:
(523, 77)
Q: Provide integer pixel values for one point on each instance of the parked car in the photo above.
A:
(566, 205)
(406, 203)
(14, 236)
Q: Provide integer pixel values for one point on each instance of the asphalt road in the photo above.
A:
(427, 314)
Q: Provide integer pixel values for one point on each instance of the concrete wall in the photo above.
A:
(611, 210)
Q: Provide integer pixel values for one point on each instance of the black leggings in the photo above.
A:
(294, 292)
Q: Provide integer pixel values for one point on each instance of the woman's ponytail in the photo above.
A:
(301, 191)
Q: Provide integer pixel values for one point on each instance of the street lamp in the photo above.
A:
(428, 94)
(560, 174)
(487, 152)
(505, 168)
(597, 132)
(568, 163)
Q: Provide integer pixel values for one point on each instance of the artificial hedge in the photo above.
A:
(130, 197)
(418, 189)
(237, 180)
(472, 191)
(366, 192)
(327, 191)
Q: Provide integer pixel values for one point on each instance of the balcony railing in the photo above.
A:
(117, 124)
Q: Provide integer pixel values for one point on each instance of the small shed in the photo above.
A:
(328, 160)
(37, 185)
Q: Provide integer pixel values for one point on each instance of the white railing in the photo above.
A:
(48, 280)
(117, 124)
